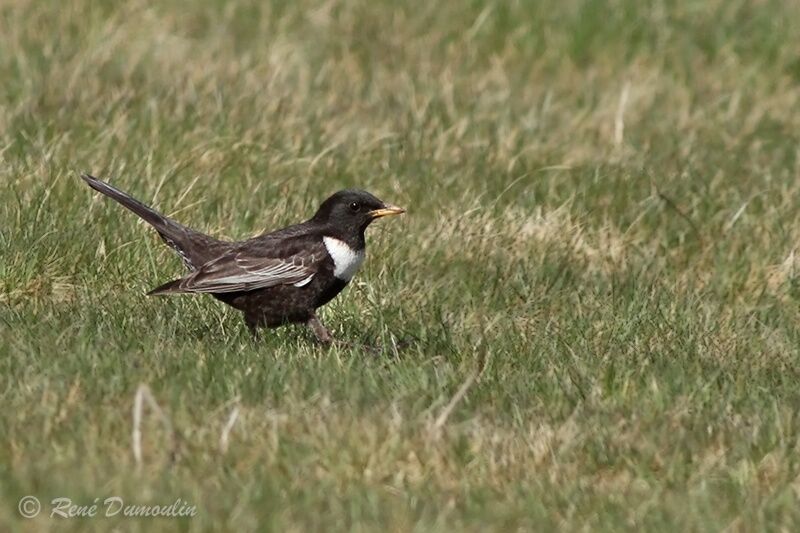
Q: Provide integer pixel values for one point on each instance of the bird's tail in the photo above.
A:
(169, 287)
(194, 247)
(161, 223)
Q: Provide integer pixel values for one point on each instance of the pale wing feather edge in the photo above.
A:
(236, 273)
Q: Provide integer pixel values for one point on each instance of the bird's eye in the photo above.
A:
(355, 206)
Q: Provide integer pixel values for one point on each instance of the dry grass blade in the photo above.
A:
(451, 405)
(441, 420)
(619, 119)
(144, 395)
(226, 430)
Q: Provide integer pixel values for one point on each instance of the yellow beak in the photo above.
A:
(386, 211)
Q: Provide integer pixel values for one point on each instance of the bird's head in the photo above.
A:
(351, 211)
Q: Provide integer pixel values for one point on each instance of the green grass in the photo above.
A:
(604, 211)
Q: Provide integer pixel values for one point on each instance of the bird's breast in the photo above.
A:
(346, 260)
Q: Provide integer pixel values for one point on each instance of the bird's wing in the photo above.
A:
(243, 272)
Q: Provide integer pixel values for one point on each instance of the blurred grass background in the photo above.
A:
(602, 216)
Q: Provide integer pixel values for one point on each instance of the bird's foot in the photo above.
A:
(322, 334)
(325, 338)
(369, 348)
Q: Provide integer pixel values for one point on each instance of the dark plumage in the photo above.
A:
(276, 278)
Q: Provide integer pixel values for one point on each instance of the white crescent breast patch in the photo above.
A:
(346, 261)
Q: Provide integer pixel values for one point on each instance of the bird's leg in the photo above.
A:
(321, 332)
(253, 322)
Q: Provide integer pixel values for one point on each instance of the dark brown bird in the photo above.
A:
(276, 278)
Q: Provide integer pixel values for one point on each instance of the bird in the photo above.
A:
(276, 278)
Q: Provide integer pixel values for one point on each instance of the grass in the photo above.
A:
(602, 230)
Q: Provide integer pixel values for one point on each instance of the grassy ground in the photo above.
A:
(603, 218)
